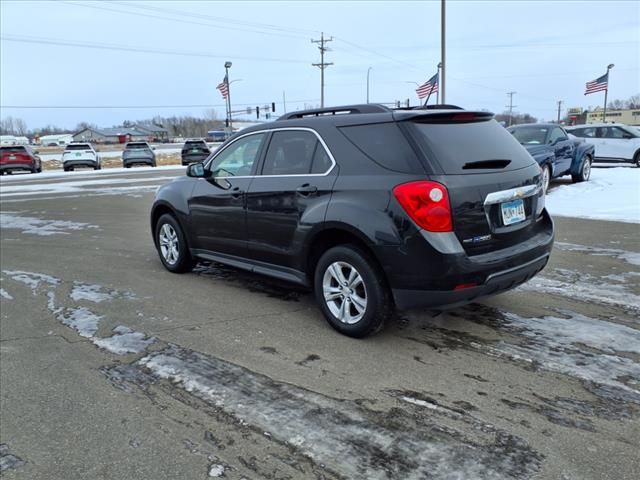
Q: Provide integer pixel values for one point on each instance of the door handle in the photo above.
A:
(307, 189)
(237, 193)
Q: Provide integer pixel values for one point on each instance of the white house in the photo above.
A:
(56, 140)
(8, 140)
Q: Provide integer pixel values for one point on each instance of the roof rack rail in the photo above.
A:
(347, 109)
(442, 106)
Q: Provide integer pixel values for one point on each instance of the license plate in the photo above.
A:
(513, 212)
(78, 154)
(12, 157)
(194, 150)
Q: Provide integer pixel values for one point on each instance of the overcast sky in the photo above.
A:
(543, 50)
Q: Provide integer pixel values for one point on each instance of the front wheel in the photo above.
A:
(585, 171)
(546, 178)
(172, 246)
(351, 292)
(636, 159)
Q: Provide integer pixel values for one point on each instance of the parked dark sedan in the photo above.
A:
(19, 157)
(373, 208)
(556, 152)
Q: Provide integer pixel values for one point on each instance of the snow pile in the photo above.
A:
(124, 341)
(38, 226)
(610, 194)
(84, 321)
(4, 294)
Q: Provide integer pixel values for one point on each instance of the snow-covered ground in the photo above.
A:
(612, 193)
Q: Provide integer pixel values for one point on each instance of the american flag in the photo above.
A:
(224, 87)
(597, 85)
(428, 87)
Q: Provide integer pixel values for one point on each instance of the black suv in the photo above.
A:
(372, 208)
(194, 151)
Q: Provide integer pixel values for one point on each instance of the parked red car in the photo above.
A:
(19, 157)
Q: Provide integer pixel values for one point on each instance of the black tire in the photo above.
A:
(184, 262)
(377, 306)
(585, 171)
(636, 159)
(127, 166)
(546, 184)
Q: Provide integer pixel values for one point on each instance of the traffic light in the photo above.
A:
(273, 106)
(257, 112)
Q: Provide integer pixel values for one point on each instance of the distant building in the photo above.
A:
(630, 116)
(140, 133)
(56, 140)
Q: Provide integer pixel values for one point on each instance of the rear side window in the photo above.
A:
(463, 147)
(386, 145)
(290, 153)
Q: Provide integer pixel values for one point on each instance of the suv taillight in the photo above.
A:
(427, 203)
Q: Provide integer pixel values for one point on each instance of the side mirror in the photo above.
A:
(627, 136)
(196, 170)
(153, 148)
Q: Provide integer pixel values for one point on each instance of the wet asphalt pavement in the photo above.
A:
(113, 368)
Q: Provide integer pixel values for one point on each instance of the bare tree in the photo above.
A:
(20, 127)
(7, 126)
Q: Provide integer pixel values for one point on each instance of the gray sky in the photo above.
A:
(543, 50)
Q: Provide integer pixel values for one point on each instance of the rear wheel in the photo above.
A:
(636, 159)
(351, 291)
(585, 171)
(172, 246)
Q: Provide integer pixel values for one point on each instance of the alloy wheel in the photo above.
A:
(168, 240)
(344, 292)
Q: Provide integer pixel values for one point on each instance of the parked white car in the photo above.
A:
(614, 142)
(80, 155)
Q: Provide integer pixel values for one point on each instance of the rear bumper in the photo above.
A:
(455, 278)
(80, 163)
(139, 161)
(496, 283)
(5, 167)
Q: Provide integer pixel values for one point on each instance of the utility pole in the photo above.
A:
(322, 65)
(442, 52)
(511, 105)
(559, 107)
(284, 103)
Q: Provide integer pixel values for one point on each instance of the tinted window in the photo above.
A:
(14, 150)
(238, 158)
(453, 145)
(321, 160)
(557, 134)
(584, 132)
(137, 146)
(79, 146)
(290, 153)
(614, 132)
(530, 135)
(386, 145)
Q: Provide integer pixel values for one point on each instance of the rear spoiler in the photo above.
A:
(452, 117)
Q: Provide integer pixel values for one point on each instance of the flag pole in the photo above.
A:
(606, 91)
(427, 100)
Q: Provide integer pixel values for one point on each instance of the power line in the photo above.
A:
(115, 107)
(127, 48)
(322, 65)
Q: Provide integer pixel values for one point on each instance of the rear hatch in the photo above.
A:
(81, 152)
(137, 150)
(493, 183)
(15, 156)
(195, 151)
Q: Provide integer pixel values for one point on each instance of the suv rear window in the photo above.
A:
(79, 146)
(463, 147)
(13, 150)
(386, 145)
(136, 146)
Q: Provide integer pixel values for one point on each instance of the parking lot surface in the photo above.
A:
(113, 367)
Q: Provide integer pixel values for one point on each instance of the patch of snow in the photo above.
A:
(610, 194)
(4, 294)
(90, 292)
(420, 403)
(6, 179)
(558, 344)
(31, 279)
(124, 341)
(82, 320)
(630, 257)
(216, 470)
(326, 429)
(37, 226)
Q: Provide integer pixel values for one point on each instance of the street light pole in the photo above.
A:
(442, 48)
(368, 71)
(227, 66)
(606, 91)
